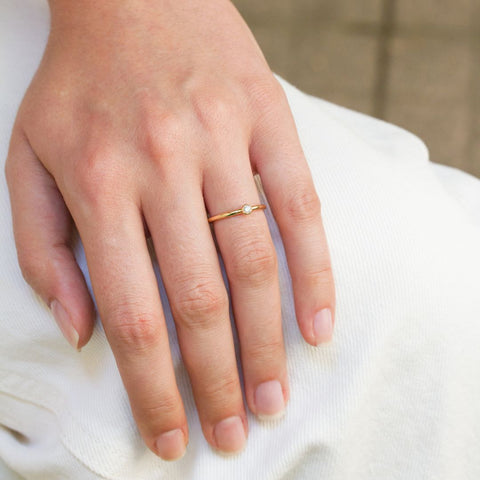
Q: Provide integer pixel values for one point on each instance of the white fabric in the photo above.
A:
(396, 395)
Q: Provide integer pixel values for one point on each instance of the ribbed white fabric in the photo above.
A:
(396, 395)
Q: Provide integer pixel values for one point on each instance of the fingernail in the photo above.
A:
(230, 435)
(63, 320)
(171, 445)
(323, 326)
(269, 401)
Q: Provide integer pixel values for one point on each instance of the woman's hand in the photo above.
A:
(151, 113)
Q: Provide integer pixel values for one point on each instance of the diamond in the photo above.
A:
(247, 209)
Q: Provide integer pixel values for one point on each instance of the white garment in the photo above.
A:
(396, 395)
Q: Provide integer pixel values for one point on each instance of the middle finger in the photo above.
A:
(199, 302)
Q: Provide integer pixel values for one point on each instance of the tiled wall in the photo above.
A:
(415, 63)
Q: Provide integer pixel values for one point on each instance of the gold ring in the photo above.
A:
(245, 210)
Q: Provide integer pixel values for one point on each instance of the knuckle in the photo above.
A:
(254, 262)
(225, 387)
(160, 134)
(266, 353)
(30, 266)
(304, 206)
(321, 277)
(213, 111)
(165, 406)
(41, 269)
(135, 331)
(265, 94)
(8, 171)
(93, 176)
(200, 303)
(151, 416)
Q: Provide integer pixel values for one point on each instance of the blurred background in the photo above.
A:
(415, 63)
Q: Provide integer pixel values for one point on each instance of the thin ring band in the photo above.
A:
(245, 210)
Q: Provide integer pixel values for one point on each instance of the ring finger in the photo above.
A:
(251, 265)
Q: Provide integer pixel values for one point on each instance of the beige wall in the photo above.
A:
(415, 63)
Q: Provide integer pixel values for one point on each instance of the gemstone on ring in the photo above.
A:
(247, 209)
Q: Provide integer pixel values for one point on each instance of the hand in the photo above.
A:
(155, 113)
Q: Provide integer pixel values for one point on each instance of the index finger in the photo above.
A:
(129, 305)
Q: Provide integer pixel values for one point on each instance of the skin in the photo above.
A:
(153, 115)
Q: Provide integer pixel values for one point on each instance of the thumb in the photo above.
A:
(43, 230)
